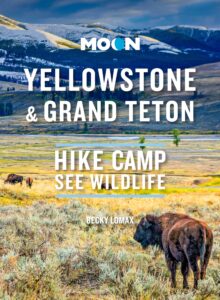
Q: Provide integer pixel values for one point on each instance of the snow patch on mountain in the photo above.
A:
(168, 52)
(2, 60)
(59, 42)
(75, 32)
(29, 59)
(155, 44)
(22, 37)
(164, 46)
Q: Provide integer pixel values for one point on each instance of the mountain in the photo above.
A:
(207, 108)
(56, 45)
(9, 23)
(209, 37)
(51, 45)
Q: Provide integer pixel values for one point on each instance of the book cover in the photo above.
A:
(109, 150)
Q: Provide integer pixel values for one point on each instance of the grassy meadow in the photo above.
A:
(47, 251)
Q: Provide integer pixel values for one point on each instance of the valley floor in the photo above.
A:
(47, 251)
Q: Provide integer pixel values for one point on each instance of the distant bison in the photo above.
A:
(29, 182)
(197, 182)
(9, 177)
(13, 179)
(104, 186)
(182, 238)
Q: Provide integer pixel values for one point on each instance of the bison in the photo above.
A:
(104, 186)
(13, 179)
(183, 239)
(29, 182)
(10, 176)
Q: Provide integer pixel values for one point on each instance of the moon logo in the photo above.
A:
(118, 44)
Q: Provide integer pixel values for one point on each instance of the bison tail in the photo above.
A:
(202, 246)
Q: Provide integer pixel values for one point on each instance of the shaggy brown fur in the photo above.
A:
(29, 182)
(182, 238)
(105, 187)
(13, 179)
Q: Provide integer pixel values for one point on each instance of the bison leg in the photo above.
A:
(194, 265)
(204, 264)
(185, 272)
(172, 265)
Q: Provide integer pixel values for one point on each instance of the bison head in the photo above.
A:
(148, 232)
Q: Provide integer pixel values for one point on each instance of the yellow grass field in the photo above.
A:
(42, 235)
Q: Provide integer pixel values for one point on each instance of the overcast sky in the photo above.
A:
(128, 13)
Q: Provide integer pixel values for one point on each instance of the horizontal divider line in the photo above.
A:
(109, 145)
(75, 196)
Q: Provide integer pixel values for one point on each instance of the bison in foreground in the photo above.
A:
(182, 238)
(13, 179)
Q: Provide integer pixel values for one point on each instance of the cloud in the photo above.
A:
(139, 13)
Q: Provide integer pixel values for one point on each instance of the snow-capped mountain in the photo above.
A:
(36, 45)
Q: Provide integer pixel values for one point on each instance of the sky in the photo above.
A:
(127, 13)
